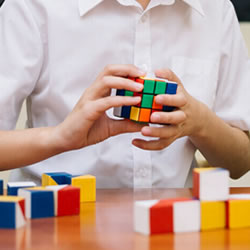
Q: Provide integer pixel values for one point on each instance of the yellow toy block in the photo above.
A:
(48, 180)
(134, 114)
(238, 213)
(213, 215)
(87, 185)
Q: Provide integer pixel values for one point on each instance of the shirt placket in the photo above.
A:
(142, 59)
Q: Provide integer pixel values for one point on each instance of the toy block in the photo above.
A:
(39, 202)
(1, 187)
(213, 215)
(166, 216)
(134, 114)
(145, 115)
(87, 185)
(12, 212)
(66, 199)
(151, 88)
(12, 187)
(238, 215)
(211, 184)
(56, 178)
(147, 101)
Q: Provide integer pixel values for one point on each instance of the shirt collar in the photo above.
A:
(87, 5)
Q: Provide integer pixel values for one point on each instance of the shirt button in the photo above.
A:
(143, 18)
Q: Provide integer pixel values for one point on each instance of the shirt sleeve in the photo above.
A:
(21, 56)
(233, 92)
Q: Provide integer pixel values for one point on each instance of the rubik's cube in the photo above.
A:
(143, 111)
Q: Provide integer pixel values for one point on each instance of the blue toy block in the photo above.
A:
(39, 202)
(171, 90)
(1, 187)
(7, 220)
(12, 187)
(12, 212)
(56, 178)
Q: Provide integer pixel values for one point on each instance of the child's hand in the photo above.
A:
(185, 120)
(88, 123)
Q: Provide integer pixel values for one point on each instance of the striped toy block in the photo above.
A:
(1, 187)
(39, 202)
(211, 184)
(12, 187)
(166, 216)
(213, 215)
(87, 185)
(55, 178)
(12, 212)
(143, 111)
(238, 211)
(66, 199)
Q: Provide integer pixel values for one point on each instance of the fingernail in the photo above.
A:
(137, 98)
(159, 98)
(141, 72)
(138, 86)
(155, 116)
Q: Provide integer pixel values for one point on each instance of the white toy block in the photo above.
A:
(12, 212)
(12, 187)
(211, 184)
(166, 216)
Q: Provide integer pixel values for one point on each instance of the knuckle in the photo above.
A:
(108, 68)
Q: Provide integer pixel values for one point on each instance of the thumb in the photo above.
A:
(168, 75)
(124, 126)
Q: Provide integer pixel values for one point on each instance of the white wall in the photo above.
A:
(243, 181)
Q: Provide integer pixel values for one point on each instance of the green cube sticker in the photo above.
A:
(147, 101)
(149, 86)
(129, 93)
(160, 88)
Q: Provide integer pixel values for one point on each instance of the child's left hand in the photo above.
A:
(187, 119)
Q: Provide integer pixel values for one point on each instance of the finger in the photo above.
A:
(124, 70)
(179, 100)
(167, 74)
(161, 132)
(152, 144)
(124, 126)
(108, 82)
(106, 103)
(173, 118)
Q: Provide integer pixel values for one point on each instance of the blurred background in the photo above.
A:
(243, 12)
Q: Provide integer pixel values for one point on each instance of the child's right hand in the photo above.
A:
(88, 123)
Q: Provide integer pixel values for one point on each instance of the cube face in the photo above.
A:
(152, 87)
(186, 216)
(12, 187)
(1, 187)
(55, 178)
(213, 215)
(161, 217)
(211, 184)
(87, 185)
(66, 199)
(238, 215)
(39, 202)
(12, 212)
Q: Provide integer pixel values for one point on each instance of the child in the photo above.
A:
(52, 51)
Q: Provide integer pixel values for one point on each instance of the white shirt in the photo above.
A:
(51, 51)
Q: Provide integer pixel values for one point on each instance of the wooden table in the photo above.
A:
(108, 224)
